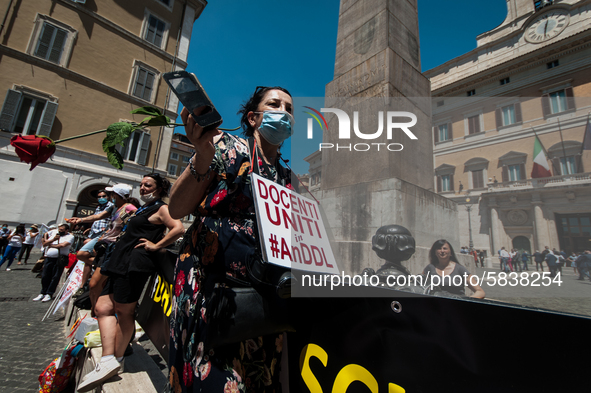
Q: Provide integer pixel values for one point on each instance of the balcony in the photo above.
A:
(545, 182)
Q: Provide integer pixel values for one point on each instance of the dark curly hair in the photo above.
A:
(436, 246)
(252, 105)
(161, 183)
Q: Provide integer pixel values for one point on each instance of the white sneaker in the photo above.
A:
(39, 297)
(102, 372)
(47, 298)
(7, 269)
(122, 363)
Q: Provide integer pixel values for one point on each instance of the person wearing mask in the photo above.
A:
(15, 242)
(57, 247)
(101, 220)
(128, 268)
(28, 244)
(100, 223)
(216, 187)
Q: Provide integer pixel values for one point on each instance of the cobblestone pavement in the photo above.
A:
(27, 345)
(532, 289)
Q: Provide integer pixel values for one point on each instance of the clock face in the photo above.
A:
(547, 26)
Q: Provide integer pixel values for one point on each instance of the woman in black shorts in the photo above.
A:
(128, 268)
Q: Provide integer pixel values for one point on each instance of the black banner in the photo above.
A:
(387, 341)
(426, 344)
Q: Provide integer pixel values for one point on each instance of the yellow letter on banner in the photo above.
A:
(354, 372)
(393, 388)
(312, 350)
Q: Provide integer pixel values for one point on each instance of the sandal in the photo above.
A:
(19, 263)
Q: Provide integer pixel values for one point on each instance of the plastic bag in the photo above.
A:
(55, 377)
(92, 339)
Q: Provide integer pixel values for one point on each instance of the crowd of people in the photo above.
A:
(216, 252)
(555, 260)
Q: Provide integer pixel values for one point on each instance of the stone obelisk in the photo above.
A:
(368, 183)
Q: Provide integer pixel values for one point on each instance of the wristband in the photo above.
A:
(198, 176)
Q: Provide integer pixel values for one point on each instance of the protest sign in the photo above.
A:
(291, 229)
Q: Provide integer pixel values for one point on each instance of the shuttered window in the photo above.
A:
(51, 43)
(144, 84)
(445, 183)
(136, 147)
(474, 124)
(558, 101)
(442, 132)
(478, 179)
(26, 114)
(155, 31)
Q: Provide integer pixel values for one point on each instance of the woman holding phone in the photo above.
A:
(216, 187)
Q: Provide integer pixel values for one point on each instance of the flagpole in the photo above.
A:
(563, 149)
(584, 135)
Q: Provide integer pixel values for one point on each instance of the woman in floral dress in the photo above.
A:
(216, 188)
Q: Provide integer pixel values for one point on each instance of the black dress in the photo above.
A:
(127, 263)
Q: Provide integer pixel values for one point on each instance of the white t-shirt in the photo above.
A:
(15, 240)
(51, 252)
(29, 239)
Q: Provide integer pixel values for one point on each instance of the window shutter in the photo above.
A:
(139, 82)
(477, 179)
(546, 105)
(145, 143)
(505, 175)
(498, 117)
(44, 41)
(579, 163)
(159, 33)
(124, 149)
(151, 30)
(47, 118)
(439, 184)
(556, 166)
(518, 118)
(436, 134)
(58, 45)
(570, 99)
(522, 175)
(451, 182)
(148, 87)
(9, 109)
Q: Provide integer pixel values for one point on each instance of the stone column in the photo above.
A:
(496, 243)
(542, 238)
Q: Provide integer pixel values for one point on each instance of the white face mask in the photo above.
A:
(147, 198)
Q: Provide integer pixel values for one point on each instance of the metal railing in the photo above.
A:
(553, 181)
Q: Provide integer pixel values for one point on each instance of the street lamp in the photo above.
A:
(469, 208)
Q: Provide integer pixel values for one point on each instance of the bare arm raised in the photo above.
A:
(188, 191)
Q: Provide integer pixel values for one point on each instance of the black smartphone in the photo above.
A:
(192, 95)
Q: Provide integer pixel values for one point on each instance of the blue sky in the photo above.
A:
(238, 45)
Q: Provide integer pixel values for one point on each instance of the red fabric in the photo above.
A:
(72, 259)
(33, 149)
(539, 171)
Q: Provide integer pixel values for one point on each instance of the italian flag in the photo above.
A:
(541, 168)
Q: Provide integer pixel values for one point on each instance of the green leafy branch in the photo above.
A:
(117, 133)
